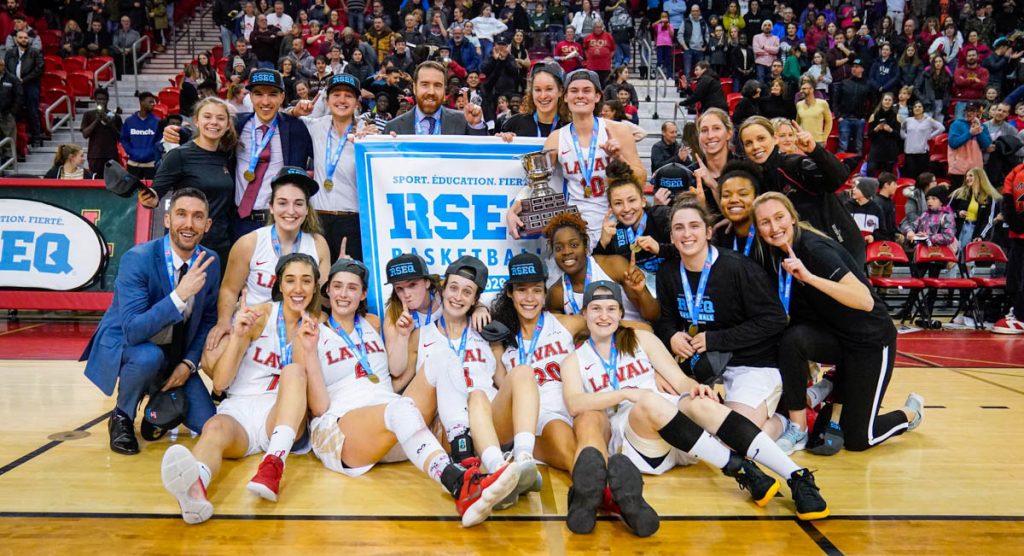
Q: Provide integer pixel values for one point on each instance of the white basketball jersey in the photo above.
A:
(631, 312)
(589, 198)
(553, 345)
(264, 260)
(634, 371)
(341, 365)
(478, 363)
(260, 369)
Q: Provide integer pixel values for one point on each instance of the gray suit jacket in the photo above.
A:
(452, 123)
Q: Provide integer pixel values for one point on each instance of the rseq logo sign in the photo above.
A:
(45, 247)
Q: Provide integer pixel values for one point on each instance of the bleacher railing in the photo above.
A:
(65, 118)
(106, 83)
(190, 34)
(13, 161)
(140, 56)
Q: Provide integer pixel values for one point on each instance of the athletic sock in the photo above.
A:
(492, 459)
(455, 430)
(711, 450)
(682, 433)
(523, 443)
(437, 467)
(281, 442)
(765, 451)
(817, 393)
(205, 475)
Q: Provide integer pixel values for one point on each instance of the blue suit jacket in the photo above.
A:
(142, 307)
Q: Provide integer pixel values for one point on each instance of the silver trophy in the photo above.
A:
(540, 203)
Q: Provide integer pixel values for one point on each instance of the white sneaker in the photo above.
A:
(180, 473)
(959, 319)
(915, 403)
(792, 440)
(530, 480)
(1008, 325)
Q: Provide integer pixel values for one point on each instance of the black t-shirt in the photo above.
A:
(725, 237)
(657, 229)
(825, 258)
(740, 311)
(524, 126)
(210, 172)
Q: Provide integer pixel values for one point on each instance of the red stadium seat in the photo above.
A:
(50, 37)
(938, 148)
(161, 110)
(216, 53)
(726, 84)
(169, 96)
(94, 65)
(892, 252)
(943, 254)
(51, 63)
(733, 99)
(899, 198)
(81, 85)
(75, 63)
(985, 253)
(54, 79)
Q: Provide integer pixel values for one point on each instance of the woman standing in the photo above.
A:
(358, 418)
(69, 164)
(935, 87)
(585, 147)
(973, 204)
(611, 389)
(834, 318)
(883, 131)
(776, 104)
(204, 163)
(543, 109)
(916, 132)
(570, 245)
(814, 114)
(820, 74)
(618, 80)
(809, 179)
(663, 41)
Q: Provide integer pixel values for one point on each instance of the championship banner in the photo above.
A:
(441, 197)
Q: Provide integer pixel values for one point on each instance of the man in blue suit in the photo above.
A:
(268, 140)
(165, 302)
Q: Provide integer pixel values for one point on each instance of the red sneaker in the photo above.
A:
(267, 480)
(480, 493)
(608, 505)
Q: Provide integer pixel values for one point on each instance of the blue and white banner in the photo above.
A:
(45, 247)
(441, 198)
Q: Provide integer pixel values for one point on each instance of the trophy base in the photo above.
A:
(538, 211)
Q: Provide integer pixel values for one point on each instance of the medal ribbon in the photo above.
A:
(526, 357)
(750, 242)
(276, 243)
(254, 150)
(631, 235)
(567, 288)
(359, 350)
(333, 157)
(416, 314)
(171, 275)
(586, 164)
(536, 121)
(282, 337)
(611, 366)
(785, 287)
(461, 352)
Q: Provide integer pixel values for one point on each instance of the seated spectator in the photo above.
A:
(72, 39)
(96, 40)
(69, 164)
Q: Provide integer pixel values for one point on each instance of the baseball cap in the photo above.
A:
(526, 268)
(268, 77)
(858, 62)
(585, 74)
(298, 177)
(550, 68)
(344, 80)
(502, 39)
(673, 176)
(349, 265)
(407, 266)
(471, 268)
(590, 293)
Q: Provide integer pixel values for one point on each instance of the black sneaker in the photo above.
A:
(462, 448)
(627, 486)
(749, 476)
(589, 477)
(809, 503)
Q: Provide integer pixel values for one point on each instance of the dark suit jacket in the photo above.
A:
(452, 123)
(142, 307)
(296, 144)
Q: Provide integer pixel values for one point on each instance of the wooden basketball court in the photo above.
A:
(954, 485)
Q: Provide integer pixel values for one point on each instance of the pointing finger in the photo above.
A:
(789, 249)
(344, 248)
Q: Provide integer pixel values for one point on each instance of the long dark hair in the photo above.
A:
(503, 310)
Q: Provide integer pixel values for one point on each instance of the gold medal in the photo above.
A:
(328, 185)
(373, 378)
(249, 175)
(635, 247)
(693, 330)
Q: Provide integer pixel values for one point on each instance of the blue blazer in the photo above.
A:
(296, 144)
(142, 307)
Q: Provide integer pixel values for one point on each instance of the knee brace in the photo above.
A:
(403, 419)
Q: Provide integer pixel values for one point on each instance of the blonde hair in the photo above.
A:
(65, 152)
(983, 188)
(788, 205)
(229, 140)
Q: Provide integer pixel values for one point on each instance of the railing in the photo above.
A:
(65, 118)
(644, 46)
(112, 82)
(136, 57)
(188, 34)
(657, 88)
(8, 141)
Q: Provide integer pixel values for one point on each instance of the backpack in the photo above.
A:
(620, 21)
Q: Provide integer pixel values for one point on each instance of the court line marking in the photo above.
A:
(819, 538)
(1002, 364)
(919, 360)
(21, 329)
(993, 383)
(48, 446)
(513, 518)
